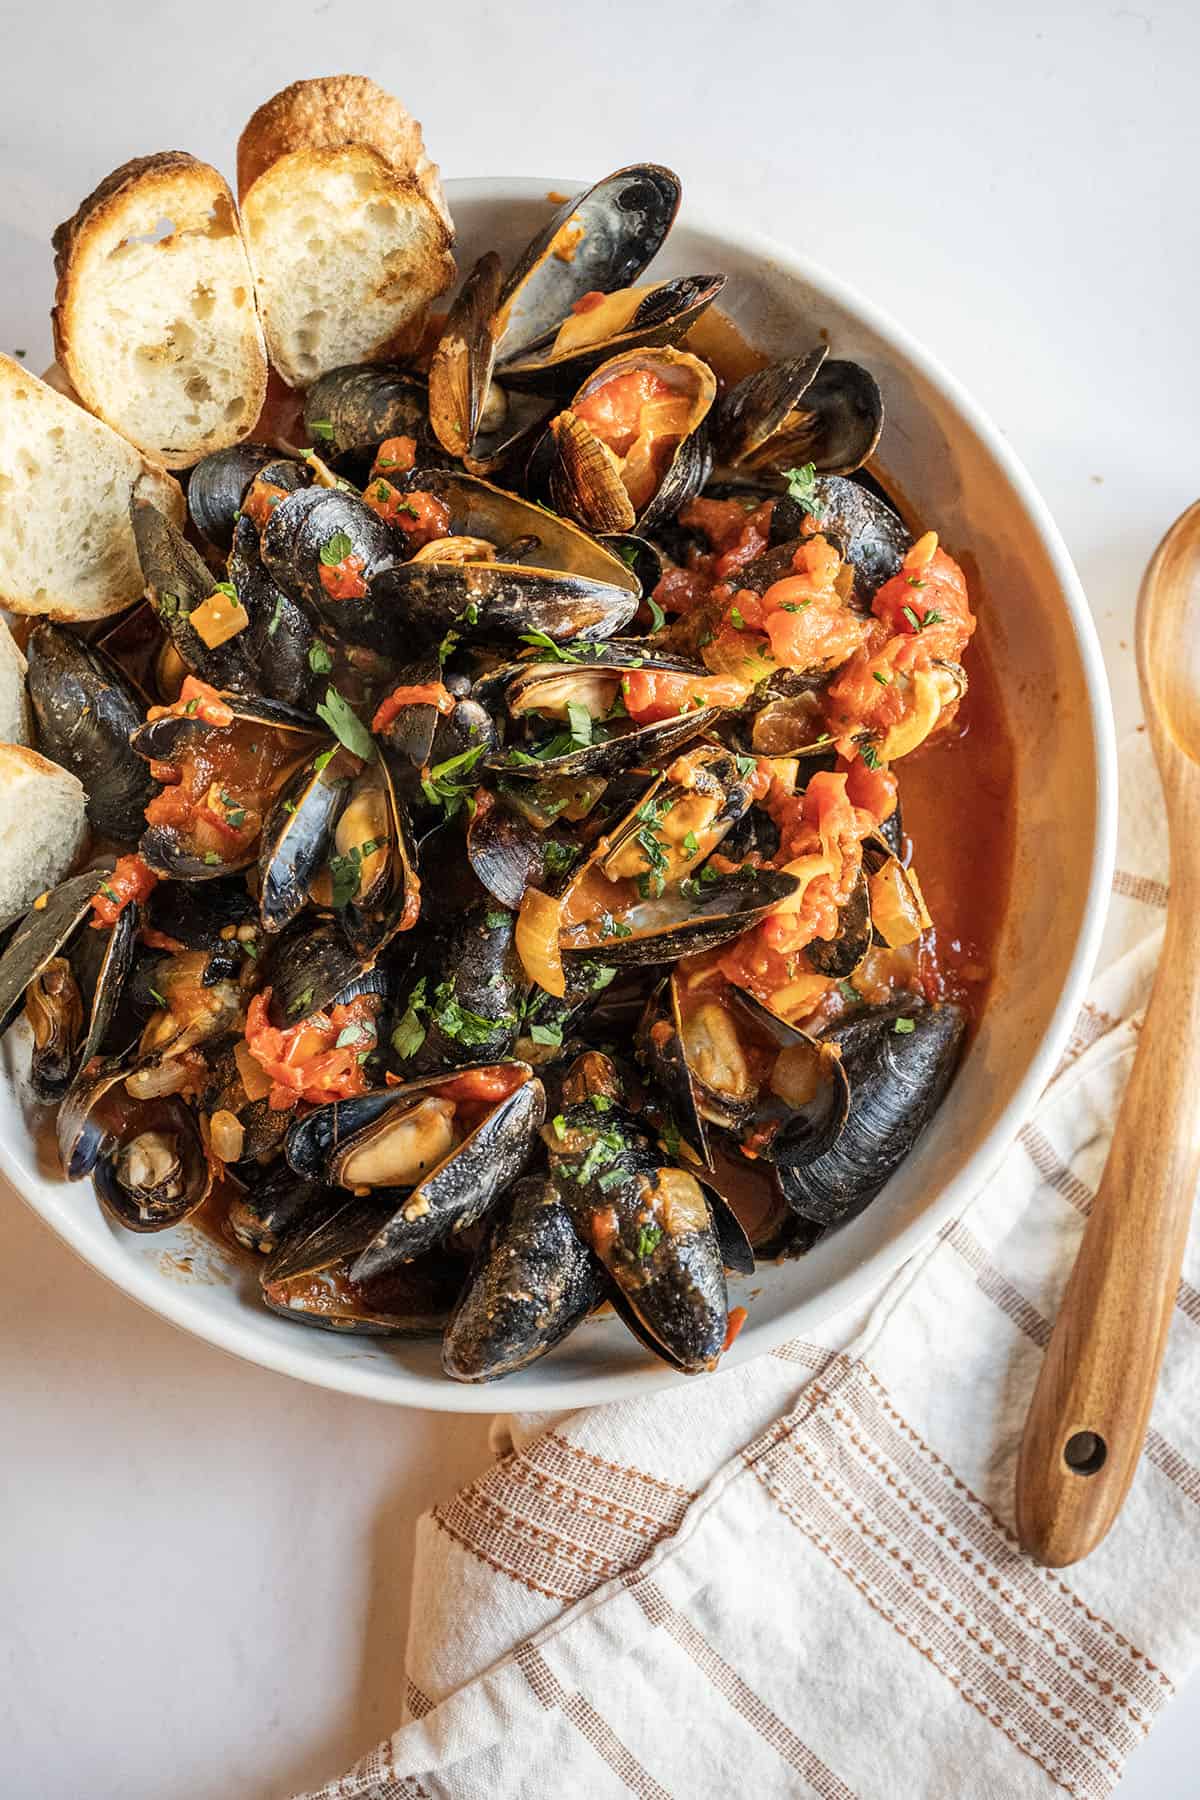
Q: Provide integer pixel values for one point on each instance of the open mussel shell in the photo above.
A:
(146, 1158)
(71, 1002)
(177, 581)
(302, 537)
(898, 1062)
(167, 739)
(403, 1140)
(809, 409)
(598, 241)
(273, 1202)
(428, 732)
(217, 486)
(587, 481)
(541, 692)
(242, 1132)
(42, 934)
(374, 876)
(297, 833)
(351, 410)
(898, 911)
(307, 1277)
(460, 374)
(532, 1282)
(866, 531)
(85, 710)
(199, 918)
(630, 319)
(679, 923)
(564, 584)
(839, 956)
(308, 967)
(805, 1100)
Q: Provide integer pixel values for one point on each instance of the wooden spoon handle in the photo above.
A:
(1085, 1429)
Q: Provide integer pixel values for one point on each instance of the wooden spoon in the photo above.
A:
(1087, 1421)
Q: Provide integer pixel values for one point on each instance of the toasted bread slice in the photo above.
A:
(14, 700)
(333, 110)
(347, 227)
(155, 321)
(66, 481)
(43, 828)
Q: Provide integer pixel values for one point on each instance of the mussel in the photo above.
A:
(231, 755)
(217, 486)
(439, 1150)
(325, 547)
(178, 582)
(632, 446)
(272, 1202)
(812, 409)
(350, 411)
(650, 1225)
(146, 1158)
(898, 1062)
(298, 831)
(541, 573)
(307, 1277)
(532, 1282)
(601, 327)
(85, 711)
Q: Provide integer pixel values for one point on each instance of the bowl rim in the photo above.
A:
(538, 1390)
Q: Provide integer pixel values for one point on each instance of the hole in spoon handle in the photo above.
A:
(1085, 1452)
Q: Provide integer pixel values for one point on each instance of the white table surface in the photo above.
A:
(204, 1568)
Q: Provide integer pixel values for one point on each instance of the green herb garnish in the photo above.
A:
(409, 1034)
(902, 1027)
(322, 428)
(802, 486)
(546, 1034)
(319, 660)
(345, 724)
(440, 787)
(649, 1238)
(336, 549)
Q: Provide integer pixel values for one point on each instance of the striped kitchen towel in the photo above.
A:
(800, 1576)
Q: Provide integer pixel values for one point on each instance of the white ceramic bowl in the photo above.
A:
(946, 455)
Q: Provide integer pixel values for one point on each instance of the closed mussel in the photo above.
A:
(326, 548)
(532, 1283)
(350, 411)
(85, 710)
(217, 487)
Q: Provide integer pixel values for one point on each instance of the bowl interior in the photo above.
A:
(944, 456)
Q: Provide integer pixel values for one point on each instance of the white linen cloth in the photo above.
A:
(800, 1577)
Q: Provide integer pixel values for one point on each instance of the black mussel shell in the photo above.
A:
(281, 632)
(809, 1094)
(273, 1202)
(217, 486)
(301, 538)
(85, 710)
(306, 1278)
(371, 918)
(151, 1170)
(532, 1282)
(197, 918)
(897, 1079)
(810, 409)
(297, 833)
(662, 315)
(867, 532)
(42, 934)
(474, 985)
(838, 957)
(177, 581)
(700, 915)
(460, 374)
(351, 410)
(612, 231)
(307, 968)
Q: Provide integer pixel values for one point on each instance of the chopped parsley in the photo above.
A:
(409, 1034)
(227, 588)
(319, 660)
(546, 1034)
(914, 581)
(211, 858)
(870, 755)
(346, 871)
(658, 617)
(322, 428)
(881, 678)
(301, 1003)
(691, 844)
(902, 1027)
(736, 619)
(600, 1103)
(847, 990)
(614, 928)
(441, 788)
(802, 486)
(794, 606)
(155, 995)
(496, 919)
(276, 616)
(557, 858)
(649, 1238)
(580, 651)
(324, 759)
(460, 1023)
(746, 765)
(336, 549)
(581, 723)
(354, 1034)
(345, 724)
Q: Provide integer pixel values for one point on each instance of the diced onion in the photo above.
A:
(538, 924)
